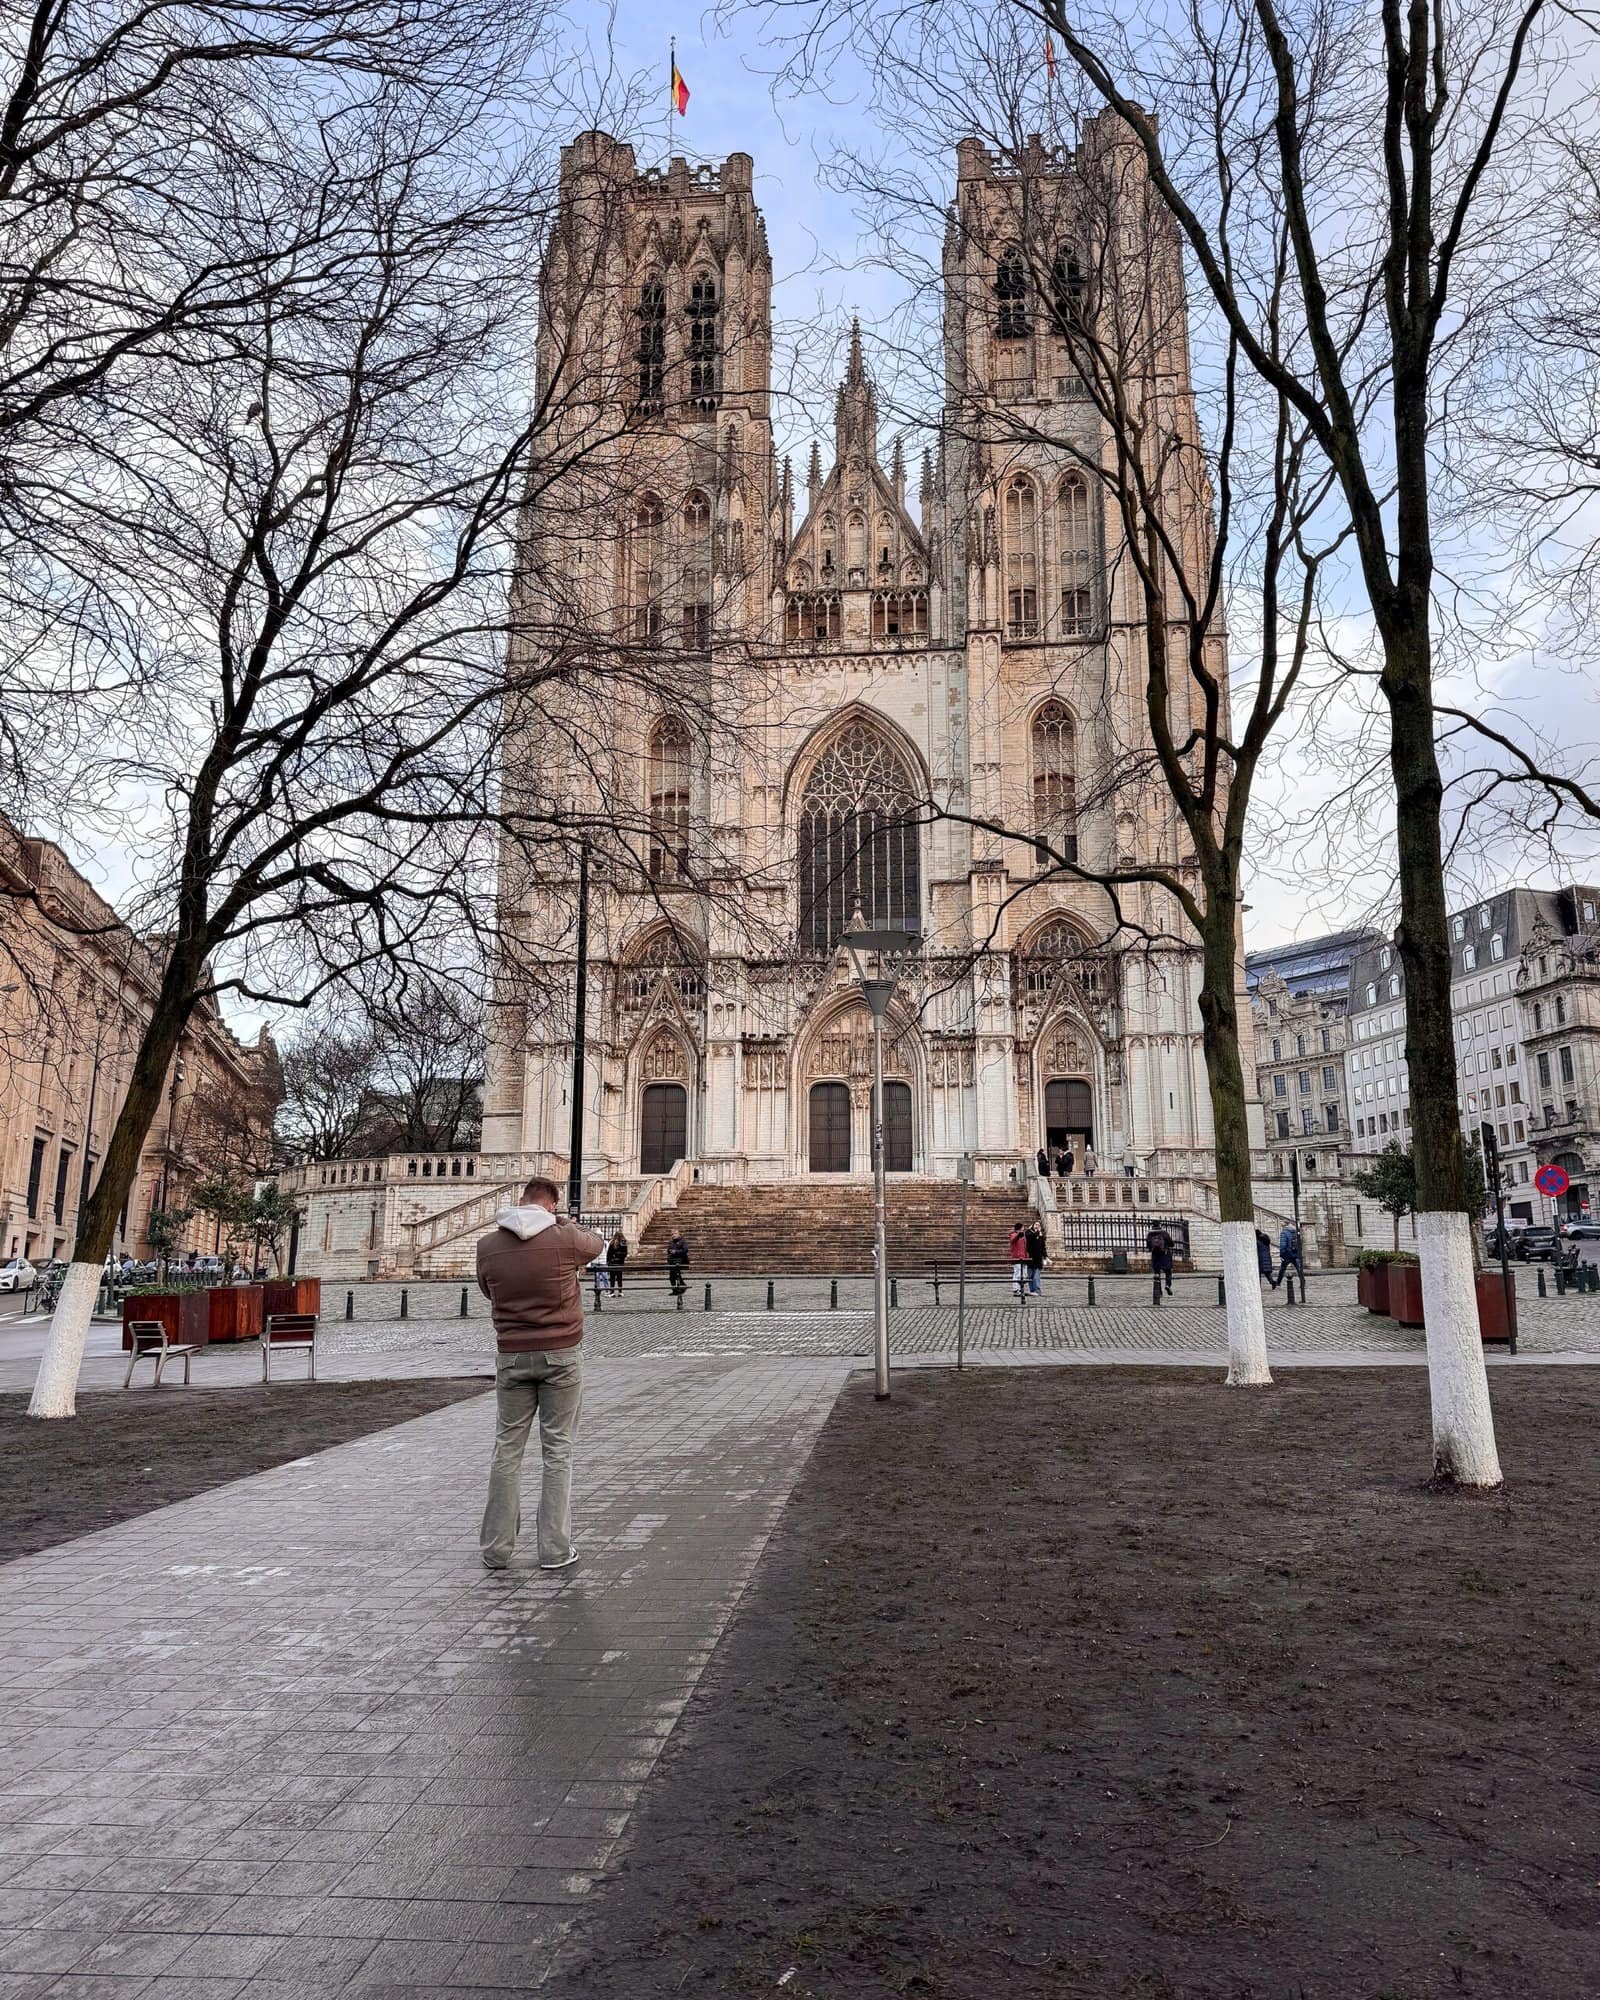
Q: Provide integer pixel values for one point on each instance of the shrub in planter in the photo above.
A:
(186, 1315)
(293, 1295)
(1405, 1291)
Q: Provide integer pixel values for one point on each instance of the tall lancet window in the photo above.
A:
(1021, 532)
(1011, 296)
(705, 343)
(1077, 558)
(1055, 784)
(670, 772)
(858, 839)
(646, 588)
(651, 351)
(695, 602)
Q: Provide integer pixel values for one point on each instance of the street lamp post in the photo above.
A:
(884, 950)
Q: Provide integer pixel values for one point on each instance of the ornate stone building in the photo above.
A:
(909, 697)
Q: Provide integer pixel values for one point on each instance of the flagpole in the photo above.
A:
(672, 86)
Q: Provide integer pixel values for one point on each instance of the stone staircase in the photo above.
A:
(823, 1228)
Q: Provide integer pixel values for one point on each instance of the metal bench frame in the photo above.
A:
(293, 1333)
(149, 1336)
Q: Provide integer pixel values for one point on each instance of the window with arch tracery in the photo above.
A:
(704, 343)
(650, 353)
(858, 839)
(1055, 784)
(1059, 949)
(646, 589)
(1066, 288)
(900, 614)
(811, 618)
(670, 777)
(695, 597)
(1011, 296)
(1021, 533)
(1076, 558)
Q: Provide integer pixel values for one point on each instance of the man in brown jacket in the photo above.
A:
(528, 1269)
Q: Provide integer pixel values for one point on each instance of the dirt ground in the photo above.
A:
(128, 1451)
(1075, 1682)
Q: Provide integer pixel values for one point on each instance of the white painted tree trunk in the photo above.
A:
(1247, 1326)
(55, 1390)
(1463, 1424)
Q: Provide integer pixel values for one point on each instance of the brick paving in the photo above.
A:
(288, 1739)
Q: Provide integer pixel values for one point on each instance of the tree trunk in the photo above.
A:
(55, 1388)
(1463, 1425)
(1247, 1334)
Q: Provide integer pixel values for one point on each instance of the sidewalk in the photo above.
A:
(288, 1739)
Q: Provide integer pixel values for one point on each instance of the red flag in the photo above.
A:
(680, 91)
(1049, 59)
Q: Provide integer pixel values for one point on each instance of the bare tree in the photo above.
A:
(329, 1070)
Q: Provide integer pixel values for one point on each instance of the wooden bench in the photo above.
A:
(292, 1333)
(149, 1336)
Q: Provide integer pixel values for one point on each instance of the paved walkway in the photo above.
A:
(288, 1739)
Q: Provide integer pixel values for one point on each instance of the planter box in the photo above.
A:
(236, 1312)
(292, 1295)
(1405, 1294)
(1372, 1287)
(1495, 1321)
(185, 1315)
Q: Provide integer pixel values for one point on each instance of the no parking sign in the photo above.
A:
(1552, 1181)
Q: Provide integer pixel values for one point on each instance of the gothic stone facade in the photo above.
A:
(896, 686)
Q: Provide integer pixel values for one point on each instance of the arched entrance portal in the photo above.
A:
(830, 1128)
(1068, 1115)
(897, 1138)
(663, 1127)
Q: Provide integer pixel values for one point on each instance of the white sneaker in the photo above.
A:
(565, 1562)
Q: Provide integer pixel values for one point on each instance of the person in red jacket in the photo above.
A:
(1019, 1262)
(528, 1269)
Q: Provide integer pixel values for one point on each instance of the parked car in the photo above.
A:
(1536, 1242)
(1584, 1228)
(1513, 1238)
(17, 1275)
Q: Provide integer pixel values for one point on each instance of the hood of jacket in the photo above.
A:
(525, 1222)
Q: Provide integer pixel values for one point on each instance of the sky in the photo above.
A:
(824, 273)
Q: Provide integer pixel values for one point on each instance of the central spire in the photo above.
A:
(856, 412)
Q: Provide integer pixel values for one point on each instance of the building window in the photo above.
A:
(1330, 1079)
(670, 770)
(900, 614)
(35, 1175)
(705, 343)
(1308, 1120)
(1299, 1045)
(1561, 1011)
(1469, 957)
(1538, 1015)
(63, 1164)
(651, 351)
(1326, 1043)
(1022, 558)
(1394, 987)
(647, 556)
(812, 620)
(1497, 946)
(1544, 1070)
(1483, 920)
(1066, 289)
(1385, 959)
(858, 840)
(1055, 783)
(1459, 928)
(1305, 1083)
(1283, 1124)
(1011, 296)
(1280, 1086)
(1331, 1114)
(1077, 559)
(1566, 1065)
(695, 601)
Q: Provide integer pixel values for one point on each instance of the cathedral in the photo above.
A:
(832, 696)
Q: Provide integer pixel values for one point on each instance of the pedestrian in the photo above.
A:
(600, 1271)
(1264, 1257)
(1042, 1160)
(1019, 1262)
(1034, 1239)
(1091, 1166)
(677, 1263)
(1068, 1162)
(616, 1257)
(528, 1269)
(1159, 1244)
(1291, 1256)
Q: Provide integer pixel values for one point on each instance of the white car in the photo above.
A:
(17, 1275)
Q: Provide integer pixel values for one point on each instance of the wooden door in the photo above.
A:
(830, 1128)
(663, 1127)
(897, 1128)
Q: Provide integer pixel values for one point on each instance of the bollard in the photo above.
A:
(680, 1294)
(833, 1294)
(1288, 1289)
(349, 1305)
(1222, 1290)
(1091, 1288)
(769, 1295)
(463, 1301)
(405, 1303)
(1539, 1274)
(894, 1293)
(1561, 1282)
(936, 1284)
(707, 1306)
(599, 1294)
